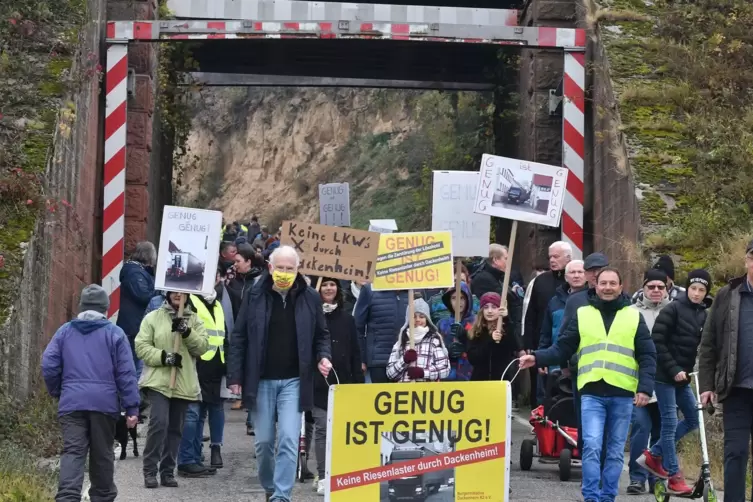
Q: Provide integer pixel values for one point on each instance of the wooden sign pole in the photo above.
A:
(411, 321)
(318, 283)
(458, 292)
(508, 271)
(176, 343)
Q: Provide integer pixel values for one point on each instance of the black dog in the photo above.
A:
(121, 436)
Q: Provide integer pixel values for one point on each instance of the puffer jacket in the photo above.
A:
(156, 335)
(677, 334)
(136, 289)
(379, 317)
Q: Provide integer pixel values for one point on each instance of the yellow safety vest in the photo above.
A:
(215, 328)
(609, 358)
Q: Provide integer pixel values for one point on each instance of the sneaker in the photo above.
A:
(315, 484)
(250, 430)
(636, 488)
(150, 481)
(320, 488)
(678, 486)
(652, 464)
(169, 481)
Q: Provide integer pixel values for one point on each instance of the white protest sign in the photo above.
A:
(334, 204)
(189, 248)
(454, 194)
(383, 226)
(521, 190)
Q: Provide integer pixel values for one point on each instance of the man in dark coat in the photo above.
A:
(543, 289)
(279, 341)
(726, 372)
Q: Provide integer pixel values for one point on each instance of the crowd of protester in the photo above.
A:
(272, 340)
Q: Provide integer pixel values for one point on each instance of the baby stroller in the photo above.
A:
(556, 428)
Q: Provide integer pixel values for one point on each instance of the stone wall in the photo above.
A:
(63, 253)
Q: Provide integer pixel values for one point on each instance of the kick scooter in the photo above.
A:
(704, 487)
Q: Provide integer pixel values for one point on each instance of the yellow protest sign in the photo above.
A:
(409, 441)
(414, 260)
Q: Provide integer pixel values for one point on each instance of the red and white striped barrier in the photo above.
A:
(113, 216)
(573, 149)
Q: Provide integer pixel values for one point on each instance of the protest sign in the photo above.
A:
(189, 248)
(521, 190)
(383, 226)
(414, 260)
(406, 442)
(342, 253)
(452, 209)
(334, 204)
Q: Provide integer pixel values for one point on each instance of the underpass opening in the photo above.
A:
(334, 53)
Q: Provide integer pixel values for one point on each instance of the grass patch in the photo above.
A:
(29, 432)
(21, 480)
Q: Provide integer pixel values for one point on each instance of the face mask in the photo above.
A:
(283, 280)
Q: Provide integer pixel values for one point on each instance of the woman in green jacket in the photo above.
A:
(155, 346)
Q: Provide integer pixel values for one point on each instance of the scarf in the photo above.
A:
(329, 307)
(419, 333)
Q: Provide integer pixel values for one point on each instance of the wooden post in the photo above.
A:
(411, 321)
(508, 271)
(176, 343)
(318, 283)
(458, 269)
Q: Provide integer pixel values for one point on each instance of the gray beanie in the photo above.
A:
(94, 297)
(419, 307)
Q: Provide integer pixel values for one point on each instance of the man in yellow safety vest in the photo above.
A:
(216, 313)
(616, 368)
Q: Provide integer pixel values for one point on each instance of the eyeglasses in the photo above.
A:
(660, 287)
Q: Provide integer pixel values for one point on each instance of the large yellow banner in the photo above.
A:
(414, 260)
(443, 441)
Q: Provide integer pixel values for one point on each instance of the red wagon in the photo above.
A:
(555, 442)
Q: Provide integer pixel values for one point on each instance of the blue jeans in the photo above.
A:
(645, 426)
(277, 474)
(193, 431)
(596, 413)
(671, 397)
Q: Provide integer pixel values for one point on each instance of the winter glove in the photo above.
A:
(410, 356)
(456, 329)
(415, 373)
(172, 359)
(456, 350)
(181, 326)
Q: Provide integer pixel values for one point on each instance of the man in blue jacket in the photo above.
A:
(91, 395)
(616, 369)
(379, 317)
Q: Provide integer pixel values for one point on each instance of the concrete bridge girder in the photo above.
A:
(122, 35)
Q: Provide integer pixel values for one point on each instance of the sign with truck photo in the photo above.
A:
(342, 253)
(414, 260)
(521, 190)
(423, 441)
(189, 248)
